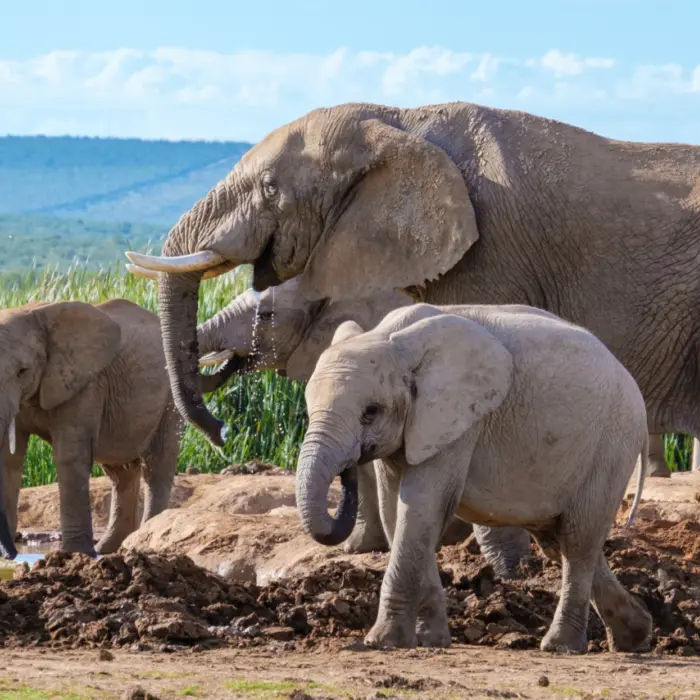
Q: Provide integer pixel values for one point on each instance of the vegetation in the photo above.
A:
(266, 413)
(29, 242)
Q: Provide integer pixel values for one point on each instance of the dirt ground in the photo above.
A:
(223, 596)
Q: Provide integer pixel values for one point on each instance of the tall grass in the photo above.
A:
(266, 413)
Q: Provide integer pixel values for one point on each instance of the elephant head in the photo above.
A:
(279, 329)
(356, 197)
(416, 383)
(48, 353)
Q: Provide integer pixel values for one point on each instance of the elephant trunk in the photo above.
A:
(317, 467)
(178, 298)
(7, 543)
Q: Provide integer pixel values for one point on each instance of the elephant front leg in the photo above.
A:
(368, 533)
(412, 601)
(123, 510)
(73, 455)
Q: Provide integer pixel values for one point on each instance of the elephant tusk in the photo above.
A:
(153, 275)
(194, 262)
(141, 272)
(12, 437)
(214, 358)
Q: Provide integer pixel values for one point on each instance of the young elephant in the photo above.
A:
(505, 415)
(280, 330)
(91, 381)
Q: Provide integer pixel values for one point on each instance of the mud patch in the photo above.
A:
(154, 601)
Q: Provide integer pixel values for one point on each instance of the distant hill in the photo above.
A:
(110, 179)
(67, 196)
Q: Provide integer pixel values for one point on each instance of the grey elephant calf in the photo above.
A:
(280, 330)
(91, 381)
(505, 415)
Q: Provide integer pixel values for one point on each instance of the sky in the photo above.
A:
(228, 70)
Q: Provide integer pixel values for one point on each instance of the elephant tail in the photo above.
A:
(641, 476)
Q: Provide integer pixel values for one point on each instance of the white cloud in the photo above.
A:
(173, 92)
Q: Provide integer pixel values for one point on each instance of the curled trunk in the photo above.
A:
(178, 299)
(316, 469)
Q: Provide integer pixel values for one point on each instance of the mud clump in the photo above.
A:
(163, 602)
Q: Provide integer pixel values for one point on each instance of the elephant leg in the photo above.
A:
(368, 533)
(123, 511)
(657, 457)
(73, 454)
(412, 600)
(627, 624)
(695, 459)
(503, 548)
(567, 633)
(160, 463)
(13, 466)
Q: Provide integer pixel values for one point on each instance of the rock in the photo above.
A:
(138, 693)
(105, 655)
(543, 681)
(190, 471)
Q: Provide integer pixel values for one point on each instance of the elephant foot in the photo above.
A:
(392, 634)
(658, 468)
(107, 546)
(434, 632)
(565, 640)
(366, 539)
(628, 629)
(79, 547)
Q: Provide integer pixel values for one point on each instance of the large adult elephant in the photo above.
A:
(458, 203)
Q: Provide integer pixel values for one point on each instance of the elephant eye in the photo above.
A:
(21, 372)
(270, 188)
(371, 411)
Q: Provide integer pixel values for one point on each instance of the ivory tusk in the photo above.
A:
(153, 275)
(141, 271)
(194, 262)
(214, 358)
(12, 437)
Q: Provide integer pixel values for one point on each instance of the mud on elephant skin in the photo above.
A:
(466, 406)
(90, 380)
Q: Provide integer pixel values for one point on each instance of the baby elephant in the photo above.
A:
(279, 329)
(91, 381)
(505, 415)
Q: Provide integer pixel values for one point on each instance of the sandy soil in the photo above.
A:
(80, 628)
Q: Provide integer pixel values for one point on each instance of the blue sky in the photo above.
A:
(232, 70)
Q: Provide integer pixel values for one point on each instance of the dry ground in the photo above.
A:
(244, 528)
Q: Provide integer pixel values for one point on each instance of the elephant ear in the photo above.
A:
(408, 216)
(323, 332)
(81, 341)
(461, 373)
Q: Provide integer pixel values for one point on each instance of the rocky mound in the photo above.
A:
(143, 600)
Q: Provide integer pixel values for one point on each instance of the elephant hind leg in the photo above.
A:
(368, 533)
(160, 463)
(657, 457)
(503, 548)
(627, 624)
(123, 511)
